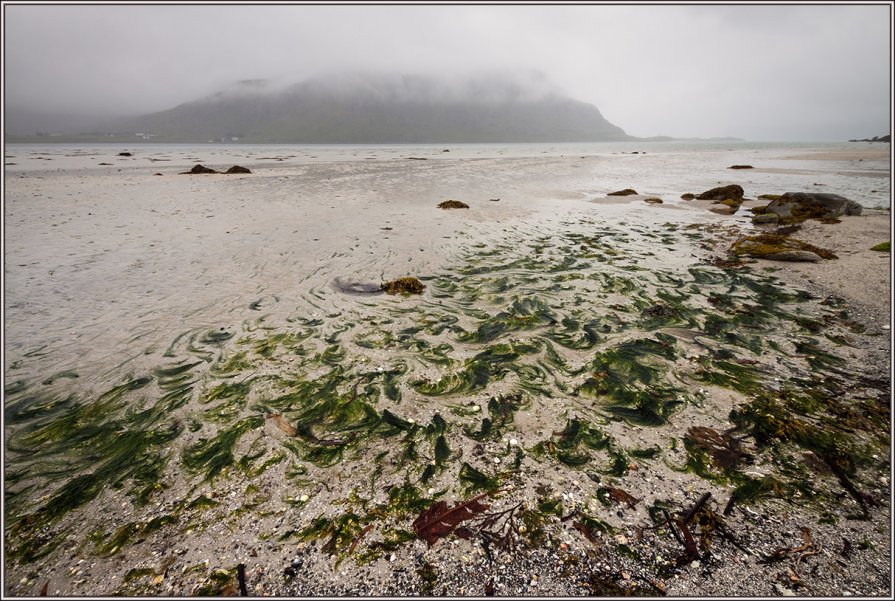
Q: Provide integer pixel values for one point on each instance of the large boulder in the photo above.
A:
(799, 206)
(732, 192)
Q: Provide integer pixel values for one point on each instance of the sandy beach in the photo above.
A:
(203, 389)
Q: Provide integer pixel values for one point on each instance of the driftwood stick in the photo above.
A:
(241, 577)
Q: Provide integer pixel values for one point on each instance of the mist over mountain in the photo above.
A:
(377, 108)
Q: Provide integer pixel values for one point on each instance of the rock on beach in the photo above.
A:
(798, 206)
(733, 192)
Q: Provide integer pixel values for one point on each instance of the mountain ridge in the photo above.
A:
(373, 109)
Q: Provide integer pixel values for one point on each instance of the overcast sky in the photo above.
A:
(758, 72)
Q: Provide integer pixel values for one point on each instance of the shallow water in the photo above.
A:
(660, 168)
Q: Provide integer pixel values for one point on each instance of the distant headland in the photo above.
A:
(885, 138)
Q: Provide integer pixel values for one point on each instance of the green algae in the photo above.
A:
(564, 295)
(475, 480)
(211, 456)
(111, 545)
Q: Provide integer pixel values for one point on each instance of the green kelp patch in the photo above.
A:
(539, 348)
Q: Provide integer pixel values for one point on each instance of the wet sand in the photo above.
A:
(213, 299)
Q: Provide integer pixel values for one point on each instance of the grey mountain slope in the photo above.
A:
(358, 112)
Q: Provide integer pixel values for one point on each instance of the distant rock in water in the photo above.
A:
(625, 192)
(741, 167)
(453, 204)
(885, 138)
(125, 154)
(653, 200)
(793, 207)
(237, 169)
(198, 169)
(733, 192)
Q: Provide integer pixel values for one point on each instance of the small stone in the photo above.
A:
(303, 498)
(392, 557)
(296, 562)
(694, 564)
(513, 442)
(886, 327)
(782, 590)
(497, 460)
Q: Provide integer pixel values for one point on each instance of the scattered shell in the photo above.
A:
(513, 442)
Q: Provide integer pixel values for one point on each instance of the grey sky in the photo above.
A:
(759, 72)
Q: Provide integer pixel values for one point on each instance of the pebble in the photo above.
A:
(497, 460)
(513, 442)
(304, 498)
(782, 590)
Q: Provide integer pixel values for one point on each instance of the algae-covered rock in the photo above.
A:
(794, 256)
(453, 204)
(688, 196)
(779, 247)
(768, 197)
(653, 200)
(732, 191)
(881, 247)
(625, 192)
(404, 286)
(793, 207)
(765, 218)
(237, 169)
(723, 210)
